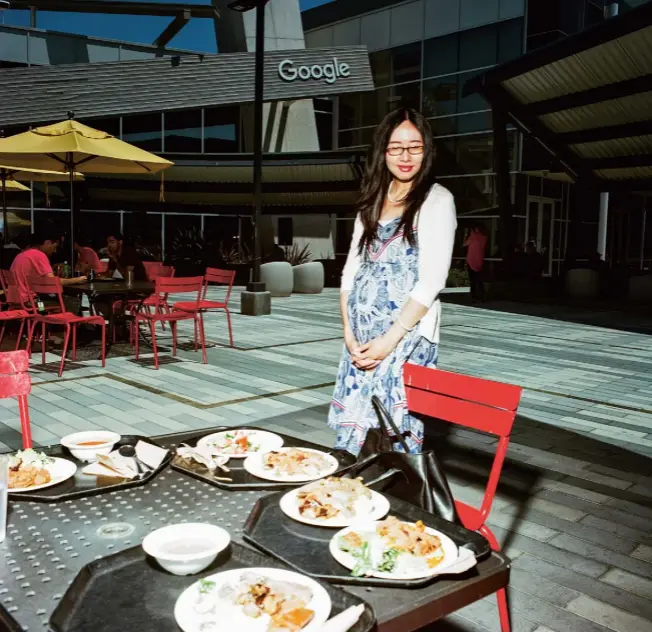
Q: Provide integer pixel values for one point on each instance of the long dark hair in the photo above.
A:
(377, 177)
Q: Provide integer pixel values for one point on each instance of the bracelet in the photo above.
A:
(400, 322)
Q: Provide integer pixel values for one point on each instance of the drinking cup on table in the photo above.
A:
(4, 489)
(130, 275)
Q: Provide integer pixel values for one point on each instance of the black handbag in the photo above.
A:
(416, 478)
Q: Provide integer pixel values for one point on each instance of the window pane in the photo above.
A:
(222, 233)
(144, 230)
(478, 47)
(222, 130)
(440, 55)
(324, 122)
(183, 131)
(143, 130)
(510, 40)
(475, 153)
(374, 106)
(440, 96)
(444, 126)
(472, 102)
(407, 95)
(356, 137)
(396, 65)
(479, 122)
(96, 227)
(350, 110)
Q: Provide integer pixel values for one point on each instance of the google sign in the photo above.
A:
(329, 72)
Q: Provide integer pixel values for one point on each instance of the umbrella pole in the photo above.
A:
(4, 206)
(71, 167)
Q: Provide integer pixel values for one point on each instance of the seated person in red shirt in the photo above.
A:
(87, 258)
(35, 261)
(123, 256)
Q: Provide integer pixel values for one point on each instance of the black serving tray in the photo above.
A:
(270, 530)
(241, 479)
(8, 623)
(129, 591)
(81, 485)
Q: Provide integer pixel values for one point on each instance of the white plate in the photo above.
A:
(61, 470)
(254, 465)
(231, 617)
(347, 560)
(266, 440)
(379, 509)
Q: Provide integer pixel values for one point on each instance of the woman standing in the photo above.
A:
(476, 244)
(398, 263)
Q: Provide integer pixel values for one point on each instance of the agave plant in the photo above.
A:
(296, 256)
(234, 256)
(188, 245)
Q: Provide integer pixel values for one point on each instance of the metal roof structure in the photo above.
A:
(587, 99)
(320, 182)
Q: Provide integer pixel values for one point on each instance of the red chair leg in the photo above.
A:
(228, 320)
(74, 342)
(501, 595)
(203, 337)
(25, 427)
(2, 333)
(20, 333)
(137, 336)
(103, 326)
(64, 351)
(31, 325)
(196, 335)
(152, 329)
(43, 330)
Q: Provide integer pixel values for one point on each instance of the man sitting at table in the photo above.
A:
(123, 256)
(87, 258)
(35, 261)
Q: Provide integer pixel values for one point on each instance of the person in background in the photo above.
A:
(35, 261)
(123, 256)
(10, 251)
(87, 258)
(534, 263)
(476, 244)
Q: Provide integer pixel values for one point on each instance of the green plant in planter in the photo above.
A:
(296, 256)
(231, 255)
(457, 278)
(188, 245)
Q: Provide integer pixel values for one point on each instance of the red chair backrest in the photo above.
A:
(14, 379)
(165, 271)
(45, 285)
(221, 277)
(178, 285)
(10, 287)
(16, 382)
(470, 402)
(152, 269)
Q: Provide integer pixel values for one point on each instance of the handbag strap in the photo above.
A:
(385, 419)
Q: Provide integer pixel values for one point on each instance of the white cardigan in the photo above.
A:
(435, 225)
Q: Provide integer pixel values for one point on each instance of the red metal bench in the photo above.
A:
(473, 403)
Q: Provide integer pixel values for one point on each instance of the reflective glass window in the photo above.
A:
(478, 47)
(183, 131)
(440, 96)
(396, 65)
(510, 40)
(143, 130)
(441, 55)
(222, 130)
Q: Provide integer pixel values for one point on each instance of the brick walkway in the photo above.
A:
(575, 504)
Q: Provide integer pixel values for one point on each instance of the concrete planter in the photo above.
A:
(582, 283)
(308, 278)
(640, 288)
(277, 277)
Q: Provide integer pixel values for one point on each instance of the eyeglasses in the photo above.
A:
(414, 150)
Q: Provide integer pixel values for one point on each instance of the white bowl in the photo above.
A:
(187, 548)
(90, 452)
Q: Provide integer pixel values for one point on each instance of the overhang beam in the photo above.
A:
(173, 29)
(124, 7)
(619, 162)
(609, 132)
(616, 90)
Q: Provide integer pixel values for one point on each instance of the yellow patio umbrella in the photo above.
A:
(9, 174)
(70, 146)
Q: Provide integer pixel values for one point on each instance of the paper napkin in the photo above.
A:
(204, 456)
(116, 465)
(344, 621)
(465, 561)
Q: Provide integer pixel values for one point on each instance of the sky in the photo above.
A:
(198, 34)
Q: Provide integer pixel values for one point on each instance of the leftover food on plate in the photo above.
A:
(28, 468)
(270, 604)
(393, 548)
(296, 462)
(237, 442)
(334, 497)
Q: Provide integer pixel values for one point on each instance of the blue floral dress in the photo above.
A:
(387, 274)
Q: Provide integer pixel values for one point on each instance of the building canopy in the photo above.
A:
(587, 99)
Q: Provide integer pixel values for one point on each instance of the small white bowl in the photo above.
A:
(187, 548)
(90, 452)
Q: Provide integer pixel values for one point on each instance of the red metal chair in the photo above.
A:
(152, 269)
(220, 277)
(472, 403)
(163, 287)
(14, 311)
(16, 382)
(68, 320)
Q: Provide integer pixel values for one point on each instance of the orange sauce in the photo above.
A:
(90, 443)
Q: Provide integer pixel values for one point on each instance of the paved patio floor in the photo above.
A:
(574, 507)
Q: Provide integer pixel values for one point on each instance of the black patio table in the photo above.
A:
(109, 291)
(48, 544)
